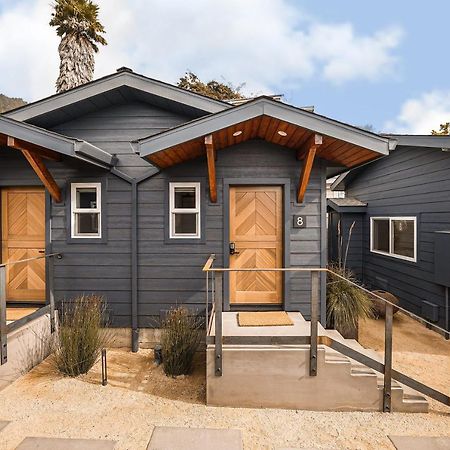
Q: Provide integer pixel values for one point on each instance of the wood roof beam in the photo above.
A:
(211, 160)
(18, 144)
(44, 175)
(309, 150)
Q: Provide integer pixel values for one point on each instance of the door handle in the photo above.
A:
(233, 250)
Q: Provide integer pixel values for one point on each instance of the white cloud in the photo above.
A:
(269, 44)
(423, 114)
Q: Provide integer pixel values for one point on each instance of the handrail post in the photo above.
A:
(51, 293)
(217, 285)
(387, 398)
(314, 322)
(3, 334)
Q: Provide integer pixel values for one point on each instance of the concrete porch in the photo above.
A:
(277, 376)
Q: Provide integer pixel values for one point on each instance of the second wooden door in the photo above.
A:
(23, 237)
(256, 232)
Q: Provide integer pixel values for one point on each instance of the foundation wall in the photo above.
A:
(27, 347)
(278, 377)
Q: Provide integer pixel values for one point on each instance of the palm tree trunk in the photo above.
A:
(76, 62)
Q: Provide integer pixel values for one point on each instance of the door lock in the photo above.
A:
(233, 250)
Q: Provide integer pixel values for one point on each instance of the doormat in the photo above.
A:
(264, 319)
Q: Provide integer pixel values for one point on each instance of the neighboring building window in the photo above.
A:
(184, 207)
(394, 236)
(86, 210)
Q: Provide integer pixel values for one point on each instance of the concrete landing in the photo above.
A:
(39, 443)
(174, 438)
(421, 443)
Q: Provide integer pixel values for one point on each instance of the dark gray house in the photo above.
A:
(136, 182)
(400, 205)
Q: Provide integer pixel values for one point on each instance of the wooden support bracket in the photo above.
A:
(309, 150)
(44, 175)
(211, 159)
(44, 153)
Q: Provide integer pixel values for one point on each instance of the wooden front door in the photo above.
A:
(23, 237)
(256, 219)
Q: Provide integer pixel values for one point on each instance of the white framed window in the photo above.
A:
(86, 210)
(394, 236)
(184, 210)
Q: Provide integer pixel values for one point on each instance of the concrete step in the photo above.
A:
(404, 399)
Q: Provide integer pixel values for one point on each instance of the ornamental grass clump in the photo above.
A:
(180, 338)
(80, 337)
(346, 303)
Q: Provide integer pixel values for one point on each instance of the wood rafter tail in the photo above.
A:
(211, 161)
(309, 149)
(44, 175)
(20, 145)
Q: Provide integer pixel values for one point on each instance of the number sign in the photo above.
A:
(299, 221)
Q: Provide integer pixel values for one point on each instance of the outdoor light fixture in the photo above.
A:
(282, 133)
(237, 133)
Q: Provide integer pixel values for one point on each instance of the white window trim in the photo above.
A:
(391, 237)
(74, 210)
(173, 210)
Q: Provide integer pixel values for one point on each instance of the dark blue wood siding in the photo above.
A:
(410, 182)
(112, 129)
(170, 272)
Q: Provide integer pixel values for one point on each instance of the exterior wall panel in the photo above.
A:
(410, 182)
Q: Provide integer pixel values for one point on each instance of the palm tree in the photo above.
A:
(77, 24)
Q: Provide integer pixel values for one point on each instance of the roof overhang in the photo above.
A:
(429, 141)
(346, 205)
(42, 141)
(112, 89)
(343, 145)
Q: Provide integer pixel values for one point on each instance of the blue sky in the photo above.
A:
(382, 63)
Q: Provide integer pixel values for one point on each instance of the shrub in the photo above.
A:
(80, 337)
(346, 303)
(180, 338)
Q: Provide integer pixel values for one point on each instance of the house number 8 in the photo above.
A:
(299, 221)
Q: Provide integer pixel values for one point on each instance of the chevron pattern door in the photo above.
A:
(256, 229)
(23, 236)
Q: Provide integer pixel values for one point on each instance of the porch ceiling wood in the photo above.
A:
(337, 151)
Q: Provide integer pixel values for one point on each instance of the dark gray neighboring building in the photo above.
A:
(402, 234)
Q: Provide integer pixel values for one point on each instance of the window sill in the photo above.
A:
(399, 257)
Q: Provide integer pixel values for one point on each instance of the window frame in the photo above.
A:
(391, 253)
(74, 210)
(197, 210)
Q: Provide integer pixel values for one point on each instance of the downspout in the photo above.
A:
(134, 250)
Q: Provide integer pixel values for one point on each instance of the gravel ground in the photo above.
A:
(140, 397)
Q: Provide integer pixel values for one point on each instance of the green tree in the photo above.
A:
(444, 130)
(214, 89)
(77, 25)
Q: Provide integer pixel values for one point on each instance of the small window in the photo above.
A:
(394, 236)
(184, 202)
(86, 210)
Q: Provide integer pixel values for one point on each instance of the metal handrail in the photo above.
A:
(313, 340)
(10, 263)
(326, 270)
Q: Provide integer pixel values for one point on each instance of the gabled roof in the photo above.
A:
(402, 140)
(112, 89)
(48, 140)
(262, 118)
